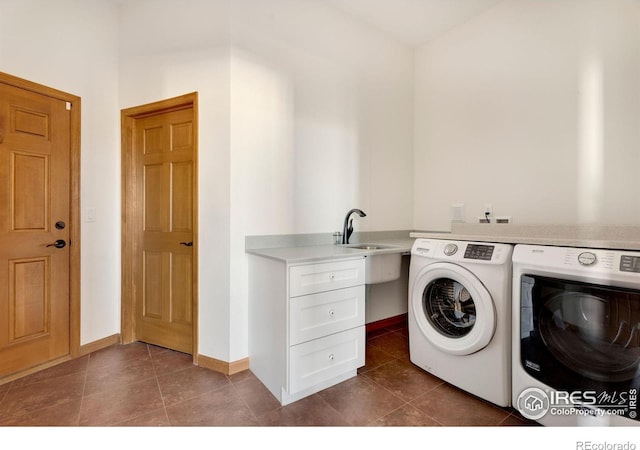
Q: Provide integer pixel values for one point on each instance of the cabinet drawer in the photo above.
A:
(312, 278)
(316, 315)
(322, 359)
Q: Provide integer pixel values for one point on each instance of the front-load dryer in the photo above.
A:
(576, 335)
(460, 315)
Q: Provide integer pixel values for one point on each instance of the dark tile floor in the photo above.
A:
(144, 385)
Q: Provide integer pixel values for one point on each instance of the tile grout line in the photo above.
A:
(235, 390)
(337, 412)
(6, 393)
(9, 385)
(164, 406)
(84, 387)
(406, 402)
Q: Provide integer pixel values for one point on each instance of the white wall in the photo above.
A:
(321, 119)
(71, 45)
(346, 115)
(297, 126)
(185, 49)
(304, 114)
(534, 106)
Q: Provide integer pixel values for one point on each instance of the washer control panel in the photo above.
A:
(462, 251)
(475, 251)
(629, 263)
(450, 249)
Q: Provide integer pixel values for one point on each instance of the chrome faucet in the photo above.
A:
(347, 229)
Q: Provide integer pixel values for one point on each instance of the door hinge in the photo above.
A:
(68, 106)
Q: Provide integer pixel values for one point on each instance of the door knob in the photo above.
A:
(187, 244)
(60, 243)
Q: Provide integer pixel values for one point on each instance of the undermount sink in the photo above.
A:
(369, 246)
(380, 267)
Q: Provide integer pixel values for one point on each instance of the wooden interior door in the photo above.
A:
(35, 136)
(164, 157)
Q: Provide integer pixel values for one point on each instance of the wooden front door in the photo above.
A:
(163, 182)
(35, 216)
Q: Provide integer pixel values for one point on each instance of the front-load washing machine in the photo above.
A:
(460, 315)
(576, 335)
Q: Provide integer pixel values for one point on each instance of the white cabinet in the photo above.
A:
(316, 315)
(314, 362)
(306, 324)
(320, 277)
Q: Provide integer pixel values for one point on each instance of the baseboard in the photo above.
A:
(389, 322)
(99, 344)
(227, 368)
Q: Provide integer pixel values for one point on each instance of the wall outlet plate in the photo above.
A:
(458, 214)
(90, 214)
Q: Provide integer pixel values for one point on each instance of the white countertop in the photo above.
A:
(589, 236)
(586, 236)
(313, 253)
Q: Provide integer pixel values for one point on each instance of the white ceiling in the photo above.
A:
(413, 22)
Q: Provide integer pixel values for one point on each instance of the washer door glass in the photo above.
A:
(449, 307)
(452, 308)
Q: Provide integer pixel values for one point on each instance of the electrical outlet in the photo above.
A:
(90, 214)
(458, 214)
(502, 219)
(484, 219)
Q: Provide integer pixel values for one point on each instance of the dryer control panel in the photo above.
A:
(595, 264)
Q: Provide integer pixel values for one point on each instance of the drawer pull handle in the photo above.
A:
(331, 357)
(332, 276)
(331, 313)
